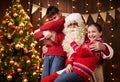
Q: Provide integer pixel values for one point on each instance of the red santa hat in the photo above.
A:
(74, 17)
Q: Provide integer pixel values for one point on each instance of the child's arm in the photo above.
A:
(54, 25)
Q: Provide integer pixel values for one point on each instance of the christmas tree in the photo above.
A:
(19, 58)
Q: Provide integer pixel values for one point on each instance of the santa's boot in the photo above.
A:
(50, 78)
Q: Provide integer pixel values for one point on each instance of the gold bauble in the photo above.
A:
(21, 45)
(2, 49)
(9, 77)
(21, 32)
(9, 36)
(19, 69)
(35, 42)
(25, 80)
(11, 61)
(3, 22)
(33, 56)
(34, 73)
(28, 61)
(32, 45)
(17, 46)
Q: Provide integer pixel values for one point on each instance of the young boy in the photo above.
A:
(52, 36)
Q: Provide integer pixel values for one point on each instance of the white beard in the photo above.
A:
(76, 34)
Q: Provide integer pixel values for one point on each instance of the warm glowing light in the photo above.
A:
(113, 65)
(112, 35)
(111, 29)
(111, 7)
(111, 73)
(110, 43)
(98, 3)
(48, 4)
(86, 4)
(113, 79)
(86, 11)
(99, 10)
(57, 2)
(73, 7)
(108, 21)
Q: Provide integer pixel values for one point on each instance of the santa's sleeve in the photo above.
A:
(54, 25)
(108, 53)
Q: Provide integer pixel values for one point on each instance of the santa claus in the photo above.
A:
(74, 29)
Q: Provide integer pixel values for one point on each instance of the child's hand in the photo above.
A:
(53, 35)
(36, 31)
(68, 68)
(44, 49)
(97, 46)
(47, 34)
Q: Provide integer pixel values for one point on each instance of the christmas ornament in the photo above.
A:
(25, 51)
(35, 67)
(11, 61)
(13, 72)
(32, 45)
(9, 77)
(21, 32)
(19, 69)
(34, 73)
(28, 60)
(33, 56)
(17, 46)
(9, 36)
(3, 21)
(25, 79)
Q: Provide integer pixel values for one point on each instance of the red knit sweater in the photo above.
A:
(56, 49)
(57, 26)
(83, 60)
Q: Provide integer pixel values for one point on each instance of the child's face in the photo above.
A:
(93, 33)
(55, 17)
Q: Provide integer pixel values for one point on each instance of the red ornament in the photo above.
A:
(35, 67)
(1, 38)
(9, 77)
(28, 60)
(25, 51)
(12, 26)
(25, 79)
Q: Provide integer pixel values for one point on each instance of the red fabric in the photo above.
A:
(83, 59)
(58, 25)
(57, 49)
(50, 78)
(106, 52)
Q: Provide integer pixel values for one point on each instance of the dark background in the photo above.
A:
(111, 67)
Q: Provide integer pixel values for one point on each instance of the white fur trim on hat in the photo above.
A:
(74, 16)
